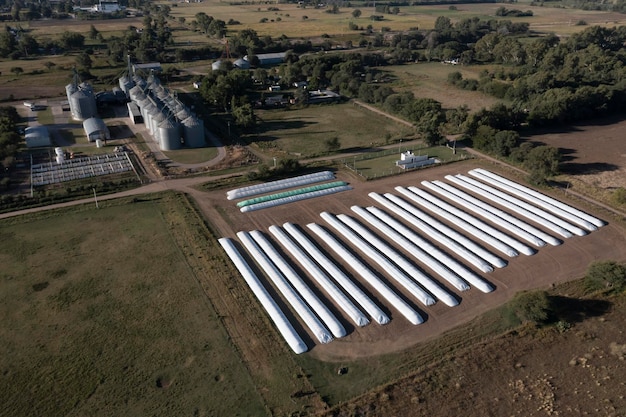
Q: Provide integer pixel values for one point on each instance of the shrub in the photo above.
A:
(531, 306)
(606, 275)
(619, 196)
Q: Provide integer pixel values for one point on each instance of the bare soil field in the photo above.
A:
(548, 266)
(594, 153)
(529, 372)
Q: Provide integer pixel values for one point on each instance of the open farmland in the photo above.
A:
(301, 23)
(593, 155)
(104, 313)
(303, 131)
(430, 80)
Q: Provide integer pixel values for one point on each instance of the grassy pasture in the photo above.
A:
(383, 163)
(302, 132)
(192, 156)
(545, 19)
(429, 80)
(102, 315)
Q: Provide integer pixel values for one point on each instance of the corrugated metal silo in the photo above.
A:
(148, 112)
(139, 81)
(70, 89)
(193, 132)
(155, 122)
(169, 135)
(183, 114)
(81, 105)
(136, 95)
(126, 83)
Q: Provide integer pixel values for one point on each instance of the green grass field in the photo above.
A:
(430, 80)
(381, 164)
(102, 315)
(302, 132)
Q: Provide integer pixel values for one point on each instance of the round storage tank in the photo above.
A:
(59, 151)
(80, 106)
(146, 106)
(140, 82)
(241, 64)
(85, 86)
(126, 83)
(183, 114)
(169, 135)
(193, 132)
(60, 159)
(155, 122)
(69, 90)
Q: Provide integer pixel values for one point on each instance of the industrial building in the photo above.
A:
(37, 136)
(96, 129)
(170, 123)
(81, 99)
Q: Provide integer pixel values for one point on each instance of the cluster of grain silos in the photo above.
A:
(167, 119)
(81, 99)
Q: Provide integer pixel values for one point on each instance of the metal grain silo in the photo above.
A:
(157, 118)
(148, 112)
(70, 89)
(136, 94)
(216, 66)
(80, 105)
(139, 81)
(169, 135)
(241, 64)
(126, 83)
(183, 114)
(193, 132)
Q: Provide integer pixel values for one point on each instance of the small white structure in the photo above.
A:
(409, 160)
(106, 6)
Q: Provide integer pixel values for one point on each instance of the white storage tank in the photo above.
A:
(169, 135)
(193, 132)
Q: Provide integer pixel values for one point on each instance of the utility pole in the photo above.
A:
(95, 197)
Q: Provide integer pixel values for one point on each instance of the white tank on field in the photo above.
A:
(193, 132)
(58, 151)
(169, 135)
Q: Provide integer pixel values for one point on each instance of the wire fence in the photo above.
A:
(380, 164)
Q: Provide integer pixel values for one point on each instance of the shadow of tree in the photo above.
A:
(576, 310)
(587, 168)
